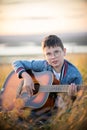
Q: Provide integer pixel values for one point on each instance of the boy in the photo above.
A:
(63, 70)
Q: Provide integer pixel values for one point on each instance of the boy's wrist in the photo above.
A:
(25, 75)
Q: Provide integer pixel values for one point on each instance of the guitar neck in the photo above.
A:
(54, 88)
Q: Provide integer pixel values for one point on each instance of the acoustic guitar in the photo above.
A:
(44, 84)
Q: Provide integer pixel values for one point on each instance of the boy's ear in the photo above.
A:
(64, 51)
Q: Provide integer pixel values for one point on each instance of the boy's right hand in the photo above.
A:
(28, 83)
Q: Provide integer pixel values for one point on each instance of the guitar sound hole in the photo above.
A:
(36, 86)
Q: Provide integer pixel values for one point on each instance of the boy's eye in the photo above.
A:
(48, 54)
(56, 52)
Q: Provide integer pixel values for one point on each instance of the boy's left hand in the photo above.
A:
(72, 89)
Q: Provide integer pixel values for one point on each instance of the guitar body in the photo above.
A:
(8, 99)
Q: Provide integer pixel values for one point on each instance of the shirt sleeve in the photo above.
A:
(22, 65)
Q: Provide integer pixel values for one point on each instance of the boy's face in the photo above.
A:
(54, 56)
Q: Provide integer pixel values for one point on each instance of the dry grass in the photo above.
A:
(72, 117)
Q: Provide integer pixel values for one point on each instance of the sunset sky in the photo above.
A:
(37, 16)
(31, 17)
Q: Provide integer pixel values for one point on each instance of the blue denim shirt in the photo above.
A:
(69, 73)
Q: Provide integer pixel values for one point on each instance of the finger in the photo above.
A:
(33, 86)
(30, 90)
(69, 90)
(74, 88)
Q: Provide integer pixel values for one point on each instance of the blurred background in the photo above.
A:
(24, 24)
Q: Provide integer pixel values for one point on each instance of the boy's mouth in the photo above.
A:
(54, 62)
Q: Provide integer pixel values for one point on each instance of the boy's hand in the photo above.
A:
(28, 83)
(72, 89)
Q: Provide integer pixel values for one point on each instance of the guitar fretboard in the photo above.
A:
(54, 88)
